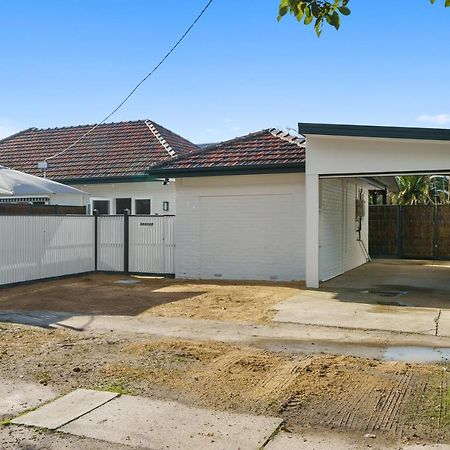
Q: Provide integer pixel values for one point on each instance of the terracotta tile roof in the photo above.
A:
(122, 149)
(264, 149)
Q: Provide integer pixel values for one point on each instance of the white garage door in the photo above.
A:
(247, 237)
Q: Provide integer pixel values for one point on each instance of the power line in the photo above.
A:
(160, 63)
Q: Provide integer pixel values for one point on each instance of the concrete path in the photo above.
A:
(340, 441)
(289, 337)
(19, 396)
(65, 409)
(152, 424)
(112, 422)
(348, 310)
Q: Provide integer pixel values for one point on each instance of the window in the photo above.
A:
(122, 204)
(102, 206)
(142, 206)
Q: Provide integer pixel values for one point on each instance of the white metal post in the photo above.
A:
(312, 230)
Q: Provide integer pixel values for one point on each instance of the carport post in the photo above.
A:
(312, 230)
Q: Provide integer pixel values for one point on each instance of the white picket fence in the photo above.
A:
(36, 247)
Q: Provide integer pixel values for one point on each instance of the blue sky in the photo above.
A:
(71, 62)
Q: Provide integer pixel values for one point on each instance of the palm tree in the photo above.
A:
(413, 190)
(422, 190)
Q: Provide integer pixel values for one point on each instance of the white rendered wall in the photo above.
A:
(153, 190)
(241, 227)
(355, 155)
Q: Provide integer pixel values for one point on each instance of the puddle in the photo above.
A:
(385, 293)
(126, 282)
(379, 302)
(417, 354)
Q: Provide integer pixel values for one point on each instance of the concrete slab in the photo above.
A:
(325, 311)
(65, 409)
(158, 424)
(26, 438)
(288, 441)
(340, 441)
(17, 396)
(444, 323)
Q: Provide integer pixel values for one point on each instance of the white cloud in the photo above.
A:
(7, 127)
(438, 119)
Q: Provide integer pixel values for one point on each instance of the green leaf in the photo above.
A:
(344, 10)
(335, 20)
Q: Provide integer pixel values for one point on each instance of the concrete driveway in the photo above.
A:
(391, 295)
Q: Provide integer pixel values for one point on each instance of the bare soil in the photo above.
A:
(409, 402)
(98, 294)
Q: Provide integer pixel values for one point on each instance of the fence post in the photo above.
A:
(435, 231)
(95, 212)
(400, 231)
(126, 240)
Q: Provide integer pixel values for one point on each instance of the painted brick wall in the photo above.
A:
(331, 228)
(230, 227)
(339, 248)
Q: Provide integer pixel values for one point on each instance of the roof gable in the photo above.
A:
(113, 150)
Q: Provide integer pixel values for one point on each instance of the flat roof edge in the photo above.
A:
(374, 131)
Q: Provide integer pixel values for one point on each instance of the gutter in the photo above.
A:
(227, 170)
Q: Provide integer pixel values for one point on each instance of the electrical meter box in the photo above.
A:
(360, 207)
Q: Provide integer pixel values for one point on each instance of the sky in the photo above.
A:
(71, 62)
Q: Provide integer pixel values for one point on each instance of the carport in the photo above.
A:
(356, 152)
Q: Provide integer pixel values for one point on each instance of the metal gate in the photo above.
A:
(416, 232)
(136, 244)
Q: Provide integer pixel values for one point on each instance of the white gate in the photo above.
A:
(110, 243)
(151, 244)
(36, 247)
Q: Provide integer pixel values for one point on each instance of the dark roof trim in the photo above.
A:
(323, 129)
(233, 170)
(387, 174)
(106, 180)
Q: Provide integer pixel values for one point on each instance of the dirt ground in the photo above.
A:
(99, 294)
(406, 402)
(351, 395)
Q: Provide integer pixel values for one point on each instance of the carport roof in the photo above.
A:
(324, 129)
(266, 151)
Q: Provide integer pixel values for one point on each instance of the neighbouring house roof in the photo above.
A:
(269, 150)
(113, 151)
